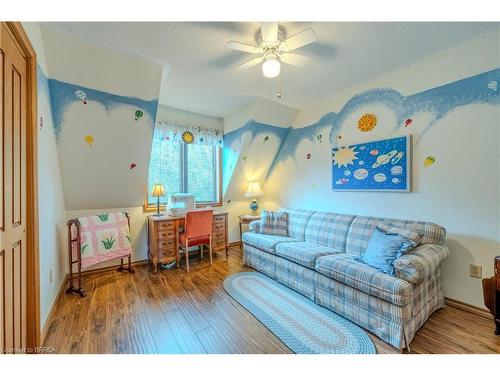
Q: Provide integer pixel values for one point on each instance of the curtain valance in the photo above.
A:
(188, 134)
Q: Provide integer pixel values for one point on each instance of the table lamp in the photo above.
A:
(254, 191)
(158, 191)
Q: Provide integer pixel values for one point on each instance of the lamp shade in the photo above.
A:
(254, 190)
(158, 190)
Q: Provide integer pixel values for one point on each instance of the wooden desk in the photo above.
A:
(163, 237)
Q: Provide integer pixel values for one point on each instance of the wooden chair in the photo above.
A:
(197, 232)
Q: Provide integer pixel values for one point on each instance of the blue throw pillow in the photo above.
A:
(384, 248)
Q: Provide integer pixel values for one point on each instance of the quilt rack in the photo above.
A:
(74, 243)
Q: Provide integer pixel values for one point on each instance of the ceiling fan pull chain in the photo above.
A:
(279, 94)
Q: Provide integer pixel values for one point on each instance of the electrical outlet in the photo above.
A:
(476, 270)
(50, 276)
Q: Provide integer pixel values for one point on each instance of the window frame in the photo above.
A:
(148, 207)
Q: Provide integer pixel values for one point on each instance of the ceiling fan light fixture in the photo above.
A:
(271, 67)
(273, 48)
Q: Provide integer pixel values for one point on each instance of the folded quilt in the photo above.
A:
(103, 237)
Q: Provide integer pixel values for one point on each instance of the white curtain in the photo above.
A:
(166, 131)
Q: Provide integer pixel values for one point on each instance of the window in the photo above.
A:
(185, 168)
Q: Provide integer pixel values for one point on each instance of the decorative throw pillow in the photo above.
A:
(388, 243)
(406, 233)
(273, 222)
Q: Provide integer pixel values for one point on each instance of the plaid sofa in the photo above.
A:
(318, 260)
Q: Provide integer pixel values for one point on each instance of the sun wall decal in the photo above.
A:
(187, 137)
(367, 122)
(344, 156)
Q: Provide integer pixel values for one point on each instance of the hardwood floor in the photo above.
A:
(177, 312)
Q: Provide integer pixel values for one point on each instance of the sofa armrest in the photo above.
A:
(254, 226)
(421, 262)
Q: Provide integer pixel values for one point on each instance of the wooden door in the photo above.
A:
(13, 194)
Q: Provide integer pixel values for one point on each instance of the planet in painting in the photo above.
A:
(379, 177)
(384, 159)
(360, 174)
(397, 170)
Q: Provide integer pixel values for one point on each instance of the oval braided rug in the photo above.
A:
(306, 328)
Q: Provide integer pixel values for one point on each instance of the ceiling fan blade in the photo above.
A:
(269, 31)
(299, 40)
(250, 63)
(295, 59)
(243, 47)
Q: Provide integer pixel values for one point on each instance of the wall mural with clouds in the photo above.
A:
(63, 94)
(374, 114)
(104, 144)
(248, 154)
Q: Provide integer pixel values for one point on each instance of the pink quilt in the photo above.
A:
(103, 237)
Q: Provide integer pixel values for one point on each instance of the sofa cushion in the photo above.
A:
(275, 223)
(295, 276)
(328, 229)
(346, 269)
(265, 242)
(362, 227)
(297, 222)
(304, 253)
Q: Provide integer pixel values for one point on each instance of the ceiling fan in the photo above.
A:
(273, 49)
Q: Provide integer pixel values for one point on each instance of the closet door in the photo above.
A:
(13, 256)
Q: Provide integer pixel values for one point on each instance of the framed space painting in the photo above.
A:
(382, 165)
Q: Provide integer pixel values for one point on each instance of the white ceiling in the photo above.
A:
(201, 75)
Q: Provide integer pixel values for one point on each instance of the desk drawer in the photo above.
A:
(167, 256)
(218, 236)
(167, 250)
(218, 228)
(219, 244)
(166, 243)
(166, 225)
(167, 235)
(219, 219)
